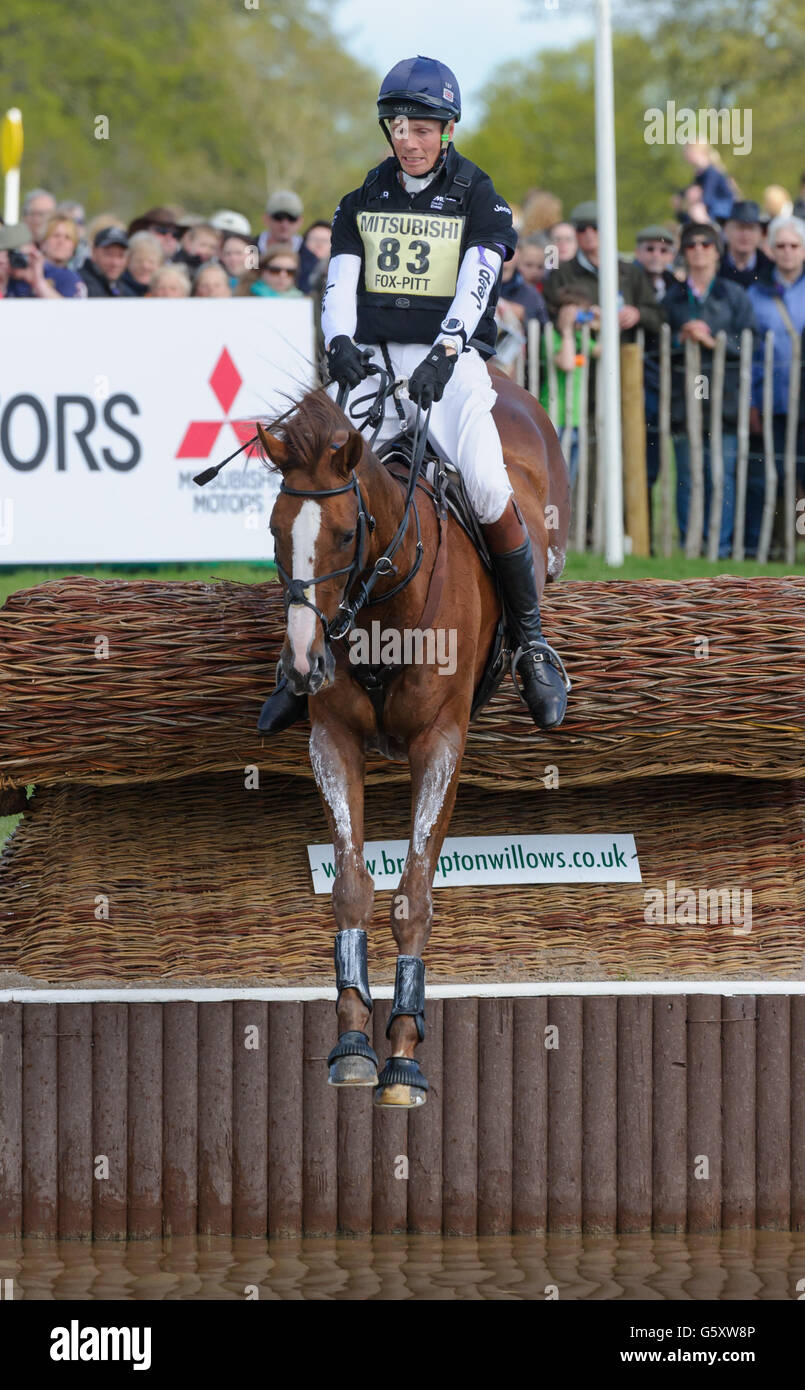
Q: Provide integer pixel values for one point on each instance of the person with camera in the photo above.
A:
(637, 305)
(28, 275)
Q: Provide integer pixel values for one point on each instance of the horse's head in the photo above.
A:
(320, 533)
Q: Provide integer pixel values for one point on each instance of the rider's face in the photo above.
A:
(417, 143)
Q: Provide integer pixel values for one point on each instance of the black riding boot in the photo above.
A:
(281, 709)
(544, 680)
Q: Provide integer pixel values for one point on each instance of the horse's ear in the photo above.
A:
(275, 449)
(347, 447)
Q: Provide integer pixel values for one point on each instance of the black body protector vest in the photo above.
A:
(413, 246)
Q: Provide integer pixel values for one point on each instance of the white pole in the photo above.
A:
(609, 447)
(11, 202)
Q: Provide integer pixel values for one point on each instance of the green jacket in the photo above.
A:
(561, 378)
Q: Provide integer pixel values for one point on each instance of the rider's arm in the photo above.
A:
(477, 274)
(339, 309)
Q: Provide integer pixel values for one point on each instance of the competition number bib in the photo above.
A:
(408, 253)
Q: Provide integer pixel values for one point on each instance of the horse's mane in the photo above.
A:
(307, 427)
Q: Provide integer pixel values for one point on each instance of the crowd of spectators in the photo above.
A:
(719, 262)
(165, 253)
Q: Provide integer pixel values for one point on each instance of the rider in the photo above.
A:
(416, 258)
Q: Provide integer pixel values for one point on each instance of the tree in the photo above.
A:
(208, 104)
(539, 127)
(540, 131)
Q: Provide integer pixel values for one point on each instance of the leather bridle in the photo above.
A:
(336, 628)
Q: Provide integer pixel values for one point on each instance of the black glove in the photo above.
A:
(346, 363)
(427, 382)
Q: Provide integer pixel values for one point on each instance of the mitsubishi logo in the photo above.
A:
(200, 435)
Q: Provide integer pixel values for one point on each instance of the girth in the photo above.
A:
(375, 680)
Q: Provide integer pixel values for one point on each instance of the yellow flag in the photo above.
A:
(11, 140)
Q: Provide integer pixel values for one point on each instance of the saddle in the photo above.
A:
(445, 486)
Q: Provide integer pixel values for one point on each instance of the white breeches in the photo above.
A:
(461, 424)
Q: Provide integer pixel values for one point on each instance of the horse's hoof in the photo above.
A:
(401, 1084)
(352, 1061)
(403, 1097)
(353, 1071)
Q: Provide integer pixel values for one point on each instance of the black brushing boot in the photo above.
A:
(352, 1062)
(401, 1083)
(544, 679)
(281, 709)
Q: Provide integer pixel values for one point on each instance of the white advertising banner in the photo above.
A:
(487, 859)
(108, 408)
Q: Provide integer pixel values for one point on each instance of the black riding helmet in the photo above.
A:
(421, 87)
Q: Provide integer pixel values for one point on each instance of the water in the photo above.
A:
(729, 1265)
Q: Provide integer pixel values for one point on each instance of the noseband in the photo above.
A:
(294, 589)
(294, 595)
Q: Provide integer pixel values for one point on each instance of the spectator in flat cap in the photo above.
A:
(743, 261)
(655, 249)
(102, 273)
(638, 306)
(698, 310)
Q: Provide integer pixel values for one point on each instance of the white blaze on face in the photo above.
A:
(302, 621)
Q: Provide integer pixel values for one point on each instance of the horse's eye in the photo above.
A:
(347, 537)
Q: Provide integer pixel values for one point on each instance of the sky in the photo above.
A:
(472, 36)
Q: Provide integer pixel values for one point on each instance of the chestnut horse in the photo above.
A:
(338, 510)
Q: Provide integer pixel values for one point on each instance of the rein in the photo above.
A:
(337, 628)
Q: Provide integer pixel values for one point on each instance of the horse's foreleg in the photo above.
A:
(435, 758)
(338, 766)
